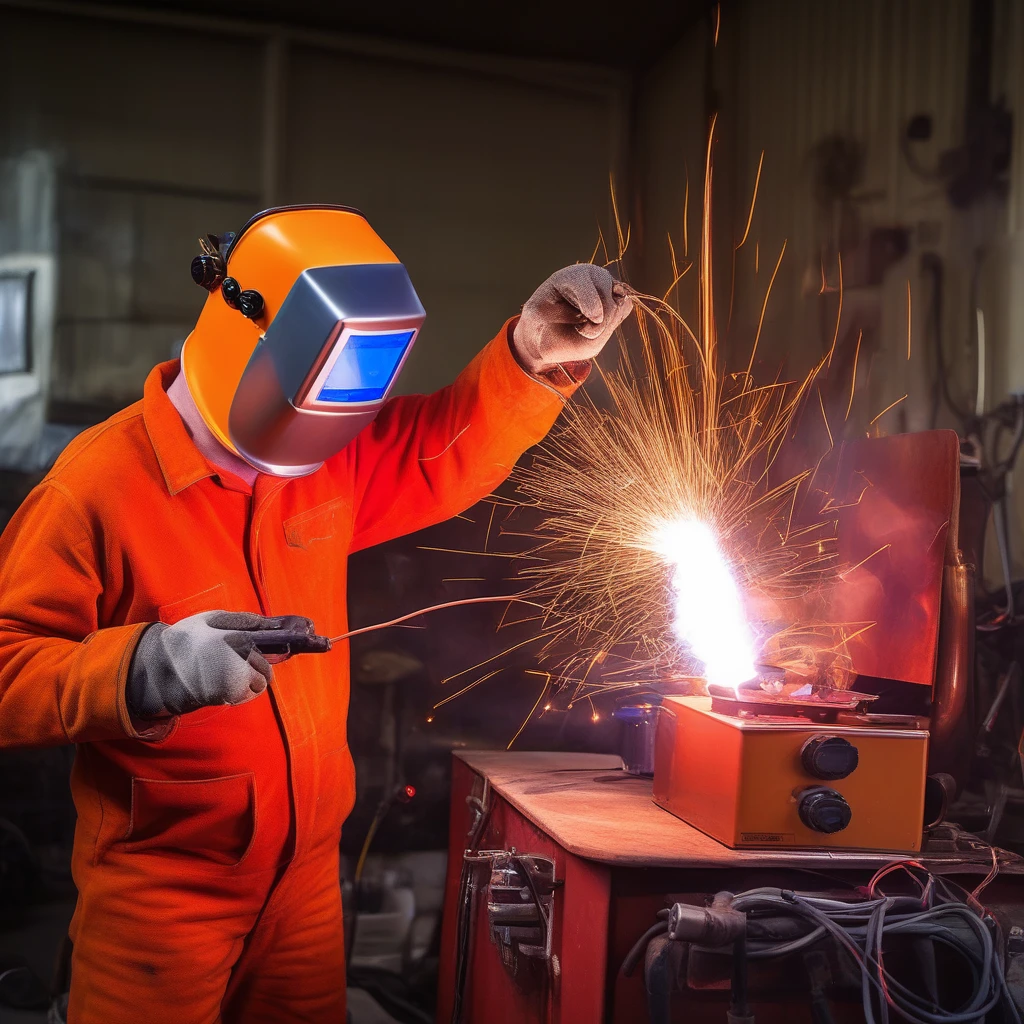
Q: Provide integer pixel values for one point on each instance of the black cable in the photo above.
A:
(860, 928)
(521, 867)
(739, 1006)
(639, 947)
(523, 870)
(818, 979)
(464, 920)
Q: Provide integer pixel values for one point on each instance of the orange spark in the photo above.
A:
(853, 375)
(839, 313)
(908, 319)
(466, 689)
(821, 402)
(764, 309)
(544, 690)
(680, 439)
(886, 409)
(854, 568)
(686, 210)
(753, 200)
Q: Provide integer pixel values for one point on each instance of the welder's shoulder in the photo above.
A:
(113, 456)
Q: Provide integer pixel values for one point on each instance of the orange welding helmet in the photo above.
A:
(308, 322)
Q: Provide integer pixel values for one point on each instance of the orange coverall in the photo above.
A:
(207, 860)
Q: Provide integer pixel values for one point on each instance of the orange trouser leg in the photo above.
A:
(156, 940)
(293, 968)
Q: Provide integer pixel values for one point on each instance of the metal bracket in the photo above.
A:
(520, 904)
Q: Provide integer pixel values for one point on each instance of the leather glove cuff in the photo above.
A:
(567, 375)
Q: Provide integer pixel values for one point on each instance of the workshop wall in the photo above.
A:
(826, 92)
(482, 175)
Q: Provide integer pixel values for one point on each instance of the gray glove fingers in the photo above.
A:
(206, 659)
(252, 622)
(234, 677)
(622, 306)
(615, 301)
(262, 673)
(237, 620)
(580, 292)
(290, 624)
(597, 283)
(570, 317)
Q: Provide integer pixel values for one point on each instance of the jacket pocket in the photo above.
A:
(206, 819)
(210, 600)
(318, 524)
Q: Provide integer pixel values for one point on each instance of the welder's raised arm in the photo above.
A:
(62, 679)
(428, 457)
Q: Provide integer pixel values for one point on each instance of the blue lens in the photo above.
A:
(364, 367)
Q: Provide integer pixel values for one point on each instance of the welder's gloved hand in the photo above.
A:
(569, 318)
(209, 658)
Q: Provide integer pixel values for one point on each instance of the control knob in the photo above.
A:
(823, 809)
(829, 757)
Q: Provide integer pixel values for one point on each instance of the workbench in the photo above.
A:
(620, 857)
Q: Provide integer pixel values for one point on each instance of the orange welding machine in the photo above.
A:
(780, 763)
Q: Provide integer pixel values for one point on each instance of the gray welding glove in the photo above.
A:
(570, 317)
(209, 658)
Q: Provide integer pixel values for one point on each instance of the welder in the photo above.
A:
(143, 581)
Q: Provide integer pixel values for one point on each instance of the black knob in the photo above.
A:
(824, 810)
(231, 290)
(829, 757)
(250, 304)
(207, 271)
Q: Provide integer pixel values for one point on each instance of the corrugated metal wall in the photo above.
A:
(800, 80)
(807, 76)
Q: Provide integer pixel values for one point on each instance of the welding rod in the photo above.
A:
(434, 608)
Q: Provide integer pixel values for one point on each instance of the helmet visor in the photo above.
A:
(360, 366)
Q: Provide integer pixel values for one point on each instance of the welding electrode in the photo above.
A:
(286, 642)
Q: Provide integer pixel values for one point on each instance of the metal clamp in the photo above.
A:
(520, 904)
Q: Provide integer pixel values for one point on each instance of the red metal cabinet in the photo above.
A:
(619, 857)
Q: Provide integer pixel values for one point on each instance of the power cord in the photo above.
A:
(780, 922)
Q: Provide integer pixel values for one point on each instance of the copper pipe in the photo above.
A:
(952, 730)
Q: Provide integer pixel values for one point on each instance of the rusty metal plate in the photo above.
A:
(895, 500)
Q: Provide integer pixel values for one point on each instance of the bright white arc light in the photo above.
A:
(709, 616)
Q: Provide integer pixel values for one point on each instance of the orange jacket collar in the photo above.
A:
(181, 462)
